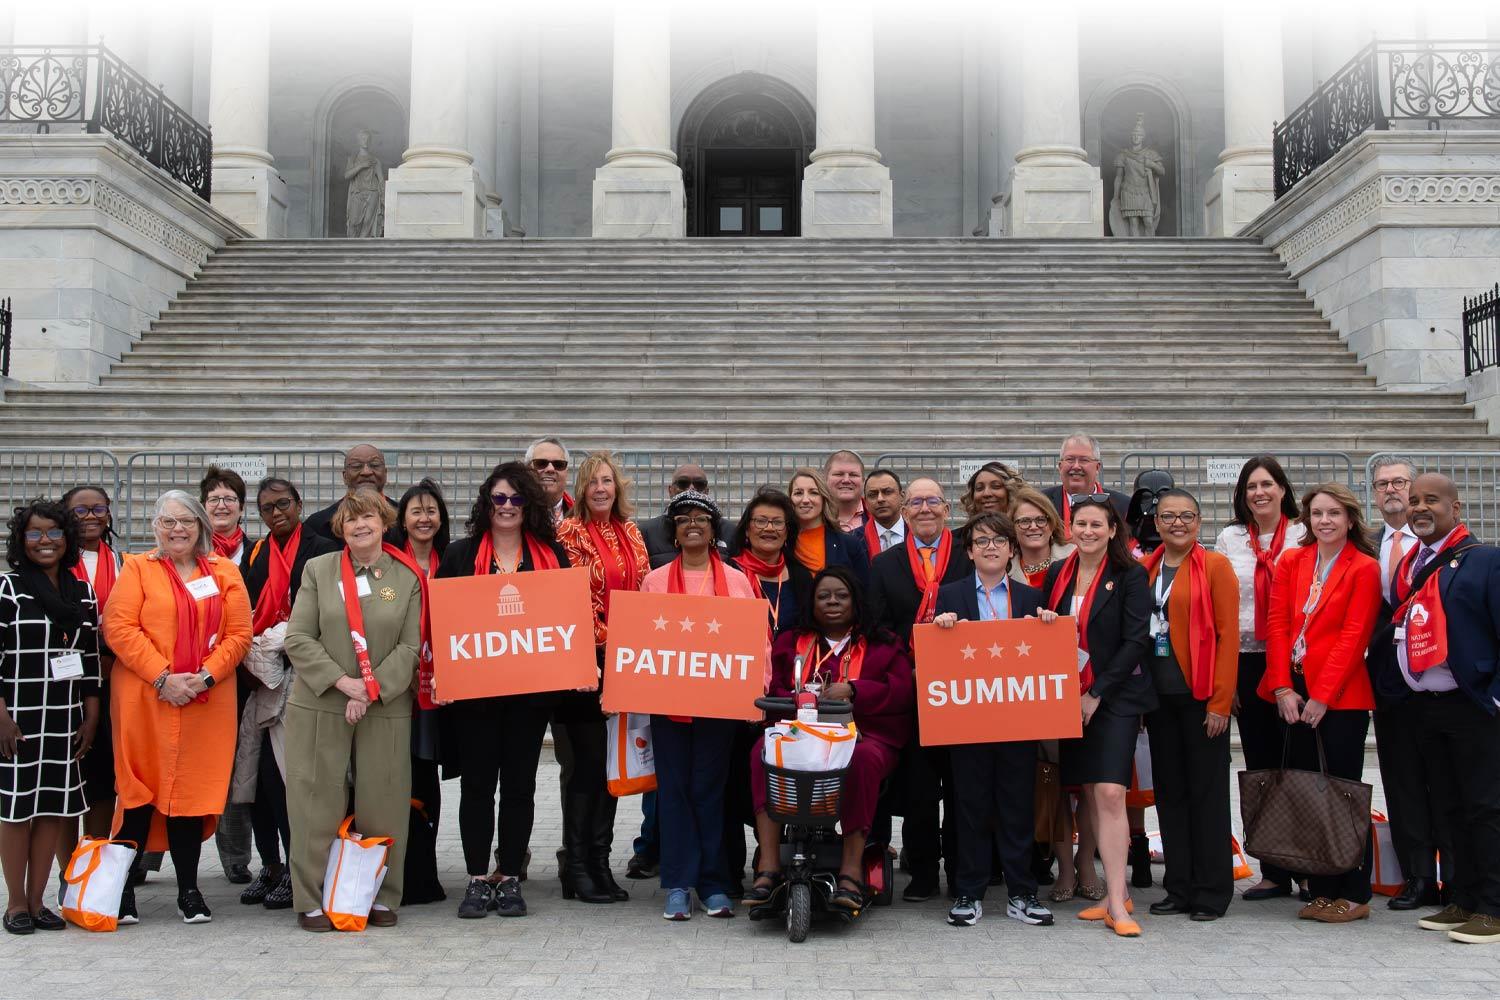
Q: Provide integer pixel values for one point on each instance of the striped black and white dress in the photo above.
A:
(43, 779)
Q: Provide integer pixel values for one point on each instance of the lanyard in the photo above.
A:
(985, 594)
(776, 604)
(846, 647)
(1315, 592)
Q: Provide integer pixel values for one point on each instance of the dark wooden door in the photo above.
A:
(751, 192)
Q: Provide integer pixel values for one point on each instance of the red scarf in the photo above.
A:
(1426, 635)
(849, 666)
(196, 634)
(1203, 637)
(928, 587)
(104, 575)
(408, 558)
(677, 576)
(756, 569)
(620, 569)
(1265, 568)
(228, 545)
(274, 603)
(1066, 577)
(1404, 571)
(542, 556)
(872, 535)
(356, 618)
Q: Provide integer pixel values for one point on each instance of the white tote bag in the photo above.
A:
(94, 882)
(356, 869)
(810, 746)
(630, 765)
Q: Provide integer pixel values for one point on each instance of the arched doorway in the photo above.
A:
(1116, 120)
(743, 144)
(360, 107)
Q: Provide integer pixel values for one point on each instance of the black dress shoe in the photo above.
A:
(920, 890)
(1267, 892)
(1203, 915)
(45, 920)
(1169, 907)
(19, 923)
(238, 874)
(1415, 894)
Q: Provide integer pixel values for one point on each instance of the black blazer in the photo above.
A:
(255, 564)
(894, 594)
(321, 522)
(848, 549)
(962, 598)
(459, 559)
(1119, 501)
(1119, 633)
(658, 534)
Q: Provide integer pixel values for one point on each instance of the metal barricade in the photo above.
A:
(733, 476)
(952, 469)
(28, 473)
(1475, 473)
(317, 474)
(1211, 476)
(458, 473)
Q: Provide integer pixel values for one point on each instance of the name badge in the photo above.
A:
(1083, 659)
(361, 586)
(1163, 644)
(1400, 634)
(67, 666)
(203, 587)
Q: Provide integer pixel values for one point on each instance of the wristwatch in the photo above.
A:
(161, 680)
(207, 679)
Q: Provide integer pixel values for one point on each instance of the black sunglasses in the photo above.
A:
(1074, 498)
(501, 499)
(684, 483)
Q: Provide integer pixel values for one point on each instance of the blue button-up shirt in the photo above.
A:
(994, 603)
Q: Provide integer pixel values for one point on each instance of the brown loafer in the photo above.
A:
(317, 924)
(382, 918)
(1311, 910)
(1341, 911)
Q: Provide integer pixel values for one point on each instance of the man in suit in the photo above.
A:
(364, 465)
(897, 601)
(659, 532)
(1414, 829)
(1455, 579)
(885, 498)
(1078, 468)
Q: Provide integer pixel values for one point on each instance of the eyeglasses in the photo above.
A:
(1077, 498)
(284, 504)
(1031, 522)
(51, 534)
(917, 503)
(684, 483)
(501, 499)
(1185, 517)
(1078, 460)
(173, 523)
(768, 522)
(543, 464)
(988, 541)
(228, 501)
(1388, 485)
(98, 510)
(374, 465)
(683, 520)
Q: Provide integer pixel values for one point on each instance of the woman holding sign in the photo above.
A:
(1106, 590)
(1195, 636)
(499, 740)
(693, 755)
(353, 640)
(1324, 599)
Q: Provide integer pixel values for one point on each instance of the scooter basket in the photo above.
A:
(808, 798)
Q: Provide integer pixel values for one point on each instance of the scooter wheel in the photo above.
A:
(798, 912)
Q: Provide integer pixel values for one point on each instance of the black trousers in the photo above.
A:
(184, 841)
(1418, 832)
(994, 811)
(498, 740)
(925, 780)
(578, 740)
(268, 816)
(1260, 736)
(1460, 743)
(1344, 732)
(1191, 777)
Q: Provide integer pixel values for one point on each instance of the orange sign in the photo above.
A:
(512, 633)
(994, 682)
(680, 654)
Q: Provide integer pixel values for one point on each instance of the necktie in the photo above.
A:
(1398, 549)
(1423, 558)
(887, 539)
(926, 561)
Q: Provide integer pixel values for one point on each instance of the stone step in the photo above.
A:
(772, 294)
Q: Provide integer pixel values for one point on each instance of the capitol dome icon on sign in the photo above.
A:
(510, 601)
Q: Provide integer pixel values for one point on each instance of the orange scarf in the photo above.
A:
(273, 605)
(542, 556)
(408, 558)
(1265, 568)
(228, 545)
(929, 586)
(196, 634)
(620, 570)
(1203, 636)
(812, 548)
(849, 664)
(356, 618)
(104, 575)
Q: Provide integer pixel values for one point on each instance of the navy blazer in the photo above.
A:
(848, 549)
(1119, 633)
(1471, 602)
(894, 594)
(962, 598)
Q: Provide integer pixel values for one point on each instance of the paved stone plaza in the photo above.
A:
(627, 950)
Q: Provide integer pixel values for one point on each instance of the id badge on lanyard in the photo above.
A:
(1314, 597)
(1159, 629)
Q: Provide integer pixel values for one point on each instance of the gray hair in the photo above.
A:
(1386, 461)
(205, 529)
(1081, 438)
(531, 449)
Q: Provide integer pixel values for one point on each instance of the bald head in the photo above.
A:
(688, 476)
(364, 465)
(1435, 507)
(926, 509)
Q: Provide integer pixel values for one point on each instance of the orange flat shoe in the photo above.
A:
(1102, 911)
(1122, 928)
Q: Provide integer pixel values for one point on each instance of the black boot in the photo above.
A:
(1140, 861)
(599, 847)
(578, 881)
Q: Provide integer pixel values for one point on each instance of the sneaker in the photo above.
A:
(476, 901)
(1029, 910)
(641, 867)
(256, 891)
(966, 912)
(1480, 929)
(280, 896)
(192, 908)
(127, 906)
(679, 905)
(718, 904)
(508, 899)
(1446, 919)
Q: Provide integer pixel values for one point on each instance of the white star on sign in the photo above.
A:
(687, 624)
(713, 627)
(968, 652)
(660, 623)
(995, 651)
(1023, 650)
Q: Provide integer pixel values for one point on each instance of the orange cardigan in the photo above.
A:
(1224, 589)
(1338, 634)
(176, 759)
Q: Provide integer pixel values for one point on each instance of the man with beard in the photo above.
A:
(364, 465)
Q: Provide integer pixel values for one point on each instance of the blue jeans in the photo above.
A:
(692, 767)
(648, 844)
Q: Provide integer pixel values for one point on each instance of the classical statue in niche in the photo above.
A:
(366, 203)
(1135, 210)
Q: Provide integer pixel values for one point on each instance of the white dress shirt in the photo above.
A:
(1409, 541)
(890, 537)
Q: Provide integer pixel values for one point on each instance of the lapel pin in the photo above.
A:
(387, 594)
(1453, 564)
(1109, 585)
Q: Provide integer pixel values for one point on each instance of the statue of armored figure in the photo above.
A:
(1135, 209)
(366, 202)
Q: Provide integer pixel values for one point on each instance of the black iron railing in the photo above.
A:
(5, 338)
(1482, 331)
(1386, 84)
(89, 86)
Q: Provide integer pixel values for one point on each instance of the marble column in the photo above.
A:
(1243, 184)
(437, 192)
(846, 189)
(246, 184)
(1054, 190)
(638, 192)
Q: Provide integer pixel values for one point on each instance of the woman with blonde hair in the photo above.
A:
(599, 534)
(1040, 532)
(820, 541)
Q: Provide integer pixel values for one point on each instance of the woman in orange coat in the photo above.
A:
(179, 624)
(1324, 599)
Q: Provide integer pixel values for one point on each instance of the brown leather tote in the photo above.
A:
(1305, 821)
